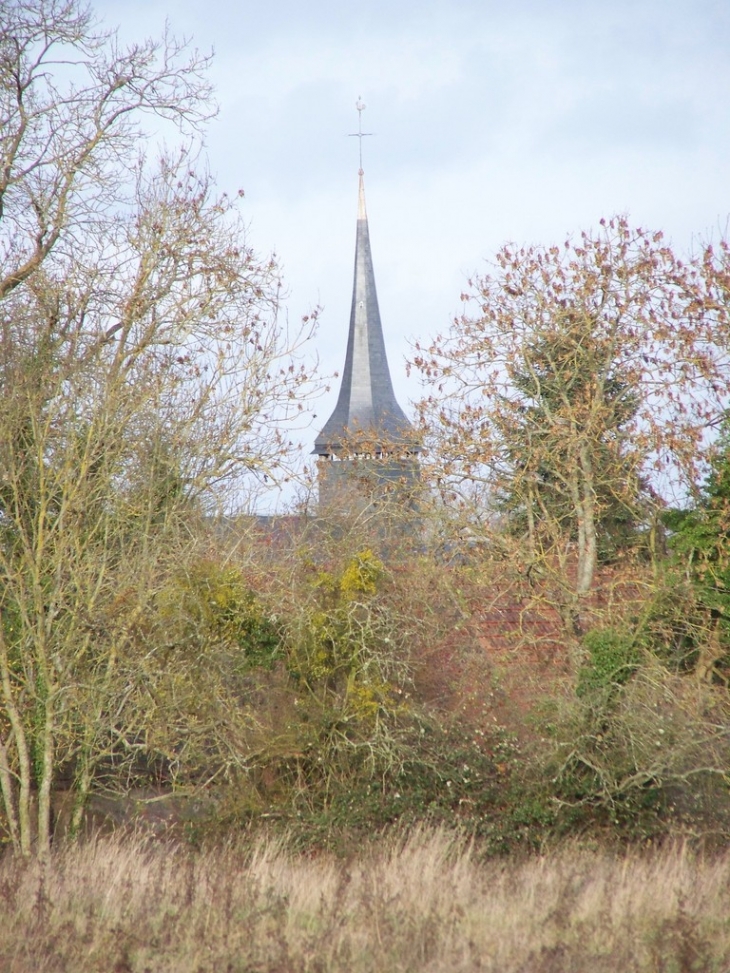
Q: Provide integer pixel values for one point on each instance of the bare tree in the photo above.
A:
(145, 375)
(578, 394)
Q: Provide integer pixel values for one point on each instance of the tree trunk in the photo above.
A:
(22, 806)
(587, 546)
(710, 652)
(46, 781)
(8, 797)
(82, 786)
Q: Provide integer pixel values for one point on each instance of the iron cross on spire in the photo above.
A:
(359, 134)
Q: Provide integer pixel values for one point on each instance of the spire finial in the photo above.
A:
(359, 134)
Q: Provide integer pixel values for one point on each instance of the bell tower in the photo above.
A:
(367, 446)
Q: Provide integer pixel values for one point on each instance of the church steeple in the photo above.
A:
(366, 408)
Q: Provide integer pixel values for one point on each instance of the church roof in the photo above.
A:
(366, 406)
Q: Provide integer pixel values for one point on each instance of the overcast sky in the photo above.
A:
(493, 122)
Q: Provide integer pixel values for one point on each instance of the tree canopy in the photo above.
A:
(580, 390)
(147, 379)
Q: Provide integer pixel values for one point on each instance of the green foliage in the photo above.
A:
(612, 657)
(700, 542)
(356, 749)
(632, 751)
(343, 646)
(701, 535)
(350, 676)
(673, 625)
(361, 575)
(557, 384)
(211, 605)
(446, 775)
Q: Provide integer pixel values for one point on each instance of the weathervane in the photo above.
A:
(359, 134)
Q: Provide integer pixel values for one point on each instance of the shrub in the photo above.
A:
(612, 658)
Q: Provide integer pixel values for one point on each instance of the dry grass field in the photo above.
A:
(422, 903)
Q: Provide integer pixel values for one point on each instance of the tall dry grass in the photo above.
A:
(422, 903)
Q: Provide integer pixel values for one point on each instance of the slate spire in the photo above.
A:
(366, 407)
